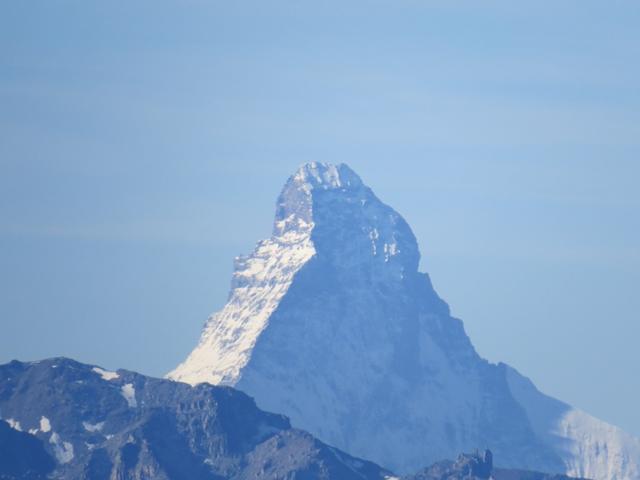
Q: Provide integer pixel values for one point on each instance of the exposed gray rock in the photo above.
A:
(121, 425)
(476, 466)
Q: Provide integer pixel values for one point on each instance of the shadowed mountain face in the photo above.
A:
(92, 424)
(330, 322)
(22, 456)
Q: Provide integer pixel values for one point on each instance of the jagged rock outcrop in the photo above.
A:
(477, 466)
(330, 322)
(93, 424)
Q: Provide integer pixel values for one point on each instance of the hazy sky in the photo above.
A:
(143, 144)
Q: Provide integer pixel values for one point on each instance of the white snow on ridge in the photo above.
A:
(598, 449)
(259, 282)
(63, 450)
(324, 176)
(93, 427)
(129, 393)
(589, 448)
(45, 425)
(14, 424)
(105, 374)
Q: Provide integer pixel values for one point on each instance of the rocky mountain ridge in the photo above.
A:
(62, 419)
(96, 424)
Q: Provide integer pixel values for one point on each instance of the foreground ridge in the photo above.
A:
(67, 420)
(330, 322)
(478, 466)
(63, 419)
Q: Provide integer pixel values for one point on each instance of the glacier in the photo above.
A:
(330, 322)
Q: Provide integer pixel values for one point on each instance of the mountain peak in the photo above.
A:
(344, 221)
(326, 219)
(330, 322)
(326, 176)
(295, 204)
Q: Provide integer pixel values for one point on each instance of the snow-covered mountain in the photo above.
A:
(330, 322)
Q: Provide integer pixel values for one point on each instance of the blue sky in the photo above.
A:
(143, 146)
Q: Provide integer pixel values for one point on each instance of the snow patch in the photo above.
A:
(390, 250)
(259, 283)
(598, 450)
(589, 448)
(45, 424)
(105, 374)
(93, 427)
(324, 176)
(63, 450)
(14, 424)
(129, 393)
(374, 235)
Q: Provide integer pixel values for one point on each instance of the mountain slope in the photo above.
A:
(330, 322)
(121, 425)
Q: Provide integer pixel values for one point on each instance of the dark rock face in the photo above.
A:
(467, 466)
(22, 456)
(91, 424)
(476, 466)
(504, 474)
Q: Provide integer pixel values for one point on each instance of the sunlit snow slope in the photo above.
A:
(330, 322)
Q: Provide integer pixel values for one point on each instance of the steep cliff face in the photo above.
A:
(330, 322)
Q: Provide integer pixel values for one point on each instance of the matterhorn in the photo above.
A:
(330, 322)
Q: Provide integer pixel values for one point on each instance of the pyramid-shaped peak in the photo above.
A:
(326, 176)
(344, 219)
(295, 204)
(330, 322)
